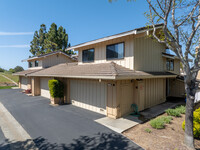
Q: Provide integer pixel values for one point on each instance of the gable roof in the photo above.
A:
(26, 72)
(48, 54)
(131, 32)
(110, 71)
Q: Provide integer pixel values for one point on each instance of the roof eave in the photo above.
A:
(132, 32)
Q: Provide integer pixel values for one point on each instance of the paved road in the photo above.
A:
(61, 127)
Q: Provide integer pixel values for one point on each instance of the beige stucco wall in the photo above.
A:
(100, 52)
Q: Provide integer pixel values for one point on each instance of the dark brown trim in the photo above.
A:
(108, 59)
(88, 61)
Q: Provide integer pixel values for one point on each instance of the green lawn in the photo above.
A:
(3, 80)
(6, 87)
(9, 75)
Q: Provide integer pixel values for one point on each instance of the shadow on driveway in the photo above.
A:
(102, 141)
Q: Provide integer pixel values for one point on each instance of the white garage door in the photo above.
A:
(88, 94)
(44, 87)
(24, 82)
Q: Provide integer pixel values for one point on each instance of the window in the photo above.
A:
(30, 64)
(170, 65)
(88, 55)
(36, 63)
(115, 51)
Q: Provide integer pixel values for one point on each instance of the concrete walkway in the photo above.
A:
(125, 123)
(117, 125)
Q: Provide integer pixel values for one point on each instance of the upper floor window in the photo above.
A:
(36, 63)
(170, 65)
(88, 55)
(30, 64)
(115, 51)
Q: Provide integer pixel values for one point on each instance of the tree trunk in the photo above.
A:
(189, 137)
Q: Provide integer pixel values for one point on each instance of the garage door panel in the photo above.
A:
(89, 95)
(44, 87)
(24, 83)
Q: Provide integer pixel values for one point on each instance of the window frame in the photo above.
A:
(30, 65)
(36, 62)
(171, 61)
(88, 61)
(116, 44)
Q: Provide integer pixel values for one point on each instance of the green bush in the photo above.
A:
(56, 88)
(159, 122)
(196, 123)
(197, 110)
(181, 109)
(147, 130)
(173, 112)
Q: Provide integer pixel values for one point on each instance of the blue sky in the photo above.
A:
(84, 20)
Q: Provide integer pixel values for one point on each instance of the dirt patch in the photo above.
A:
(6, 84)
(170, 138)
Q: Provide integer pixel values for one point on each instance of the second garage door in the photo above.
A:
(24, 82)
(89, 94)
(44, 87)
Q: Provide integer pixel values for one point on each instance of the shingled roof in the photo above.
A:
(109, 70)
(26, 72)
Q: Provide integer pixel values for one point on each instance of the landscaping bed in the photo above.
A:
(171, 137)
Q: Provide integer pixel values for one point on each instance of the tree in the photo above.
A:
(2, 70)
(11, 70)
(18, 69)
(180, 33)
(45, 42)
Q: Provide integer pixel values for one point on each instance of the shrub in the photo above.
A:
(181, 109)
(147, 130)
(159, 122)
(197, 110)
(173, 112)
(56, 88)
(196, 129)
(196, 123)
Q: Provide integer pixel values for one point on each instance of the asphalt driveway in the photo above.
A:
(61, 127)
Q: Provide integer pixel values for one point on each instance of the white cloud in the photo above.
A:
(16, 33)
(14, 46)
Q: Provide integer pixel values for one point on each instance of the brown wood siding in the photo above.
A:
(155, 92)
(177, 88)
(148, 55)
(100, 52)
(54, 60)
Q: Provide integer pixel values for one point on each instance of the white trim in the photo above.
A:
(109, 77)
(132, 32)
(45, 55)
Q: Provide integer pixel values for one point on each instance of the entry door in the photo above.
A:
(141, 90)
(127, 98)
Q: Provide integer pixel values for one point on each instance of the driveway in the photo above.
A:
(61, 127)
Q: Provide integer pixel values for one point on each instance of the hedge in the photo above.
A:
(56, 88)
(196, 123)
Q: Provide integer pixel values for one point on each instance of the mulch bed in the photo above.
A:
(170, 138)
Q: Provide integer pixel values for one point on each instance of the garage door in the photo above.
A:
(24, 82)
(44, 87)
(89, 94)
